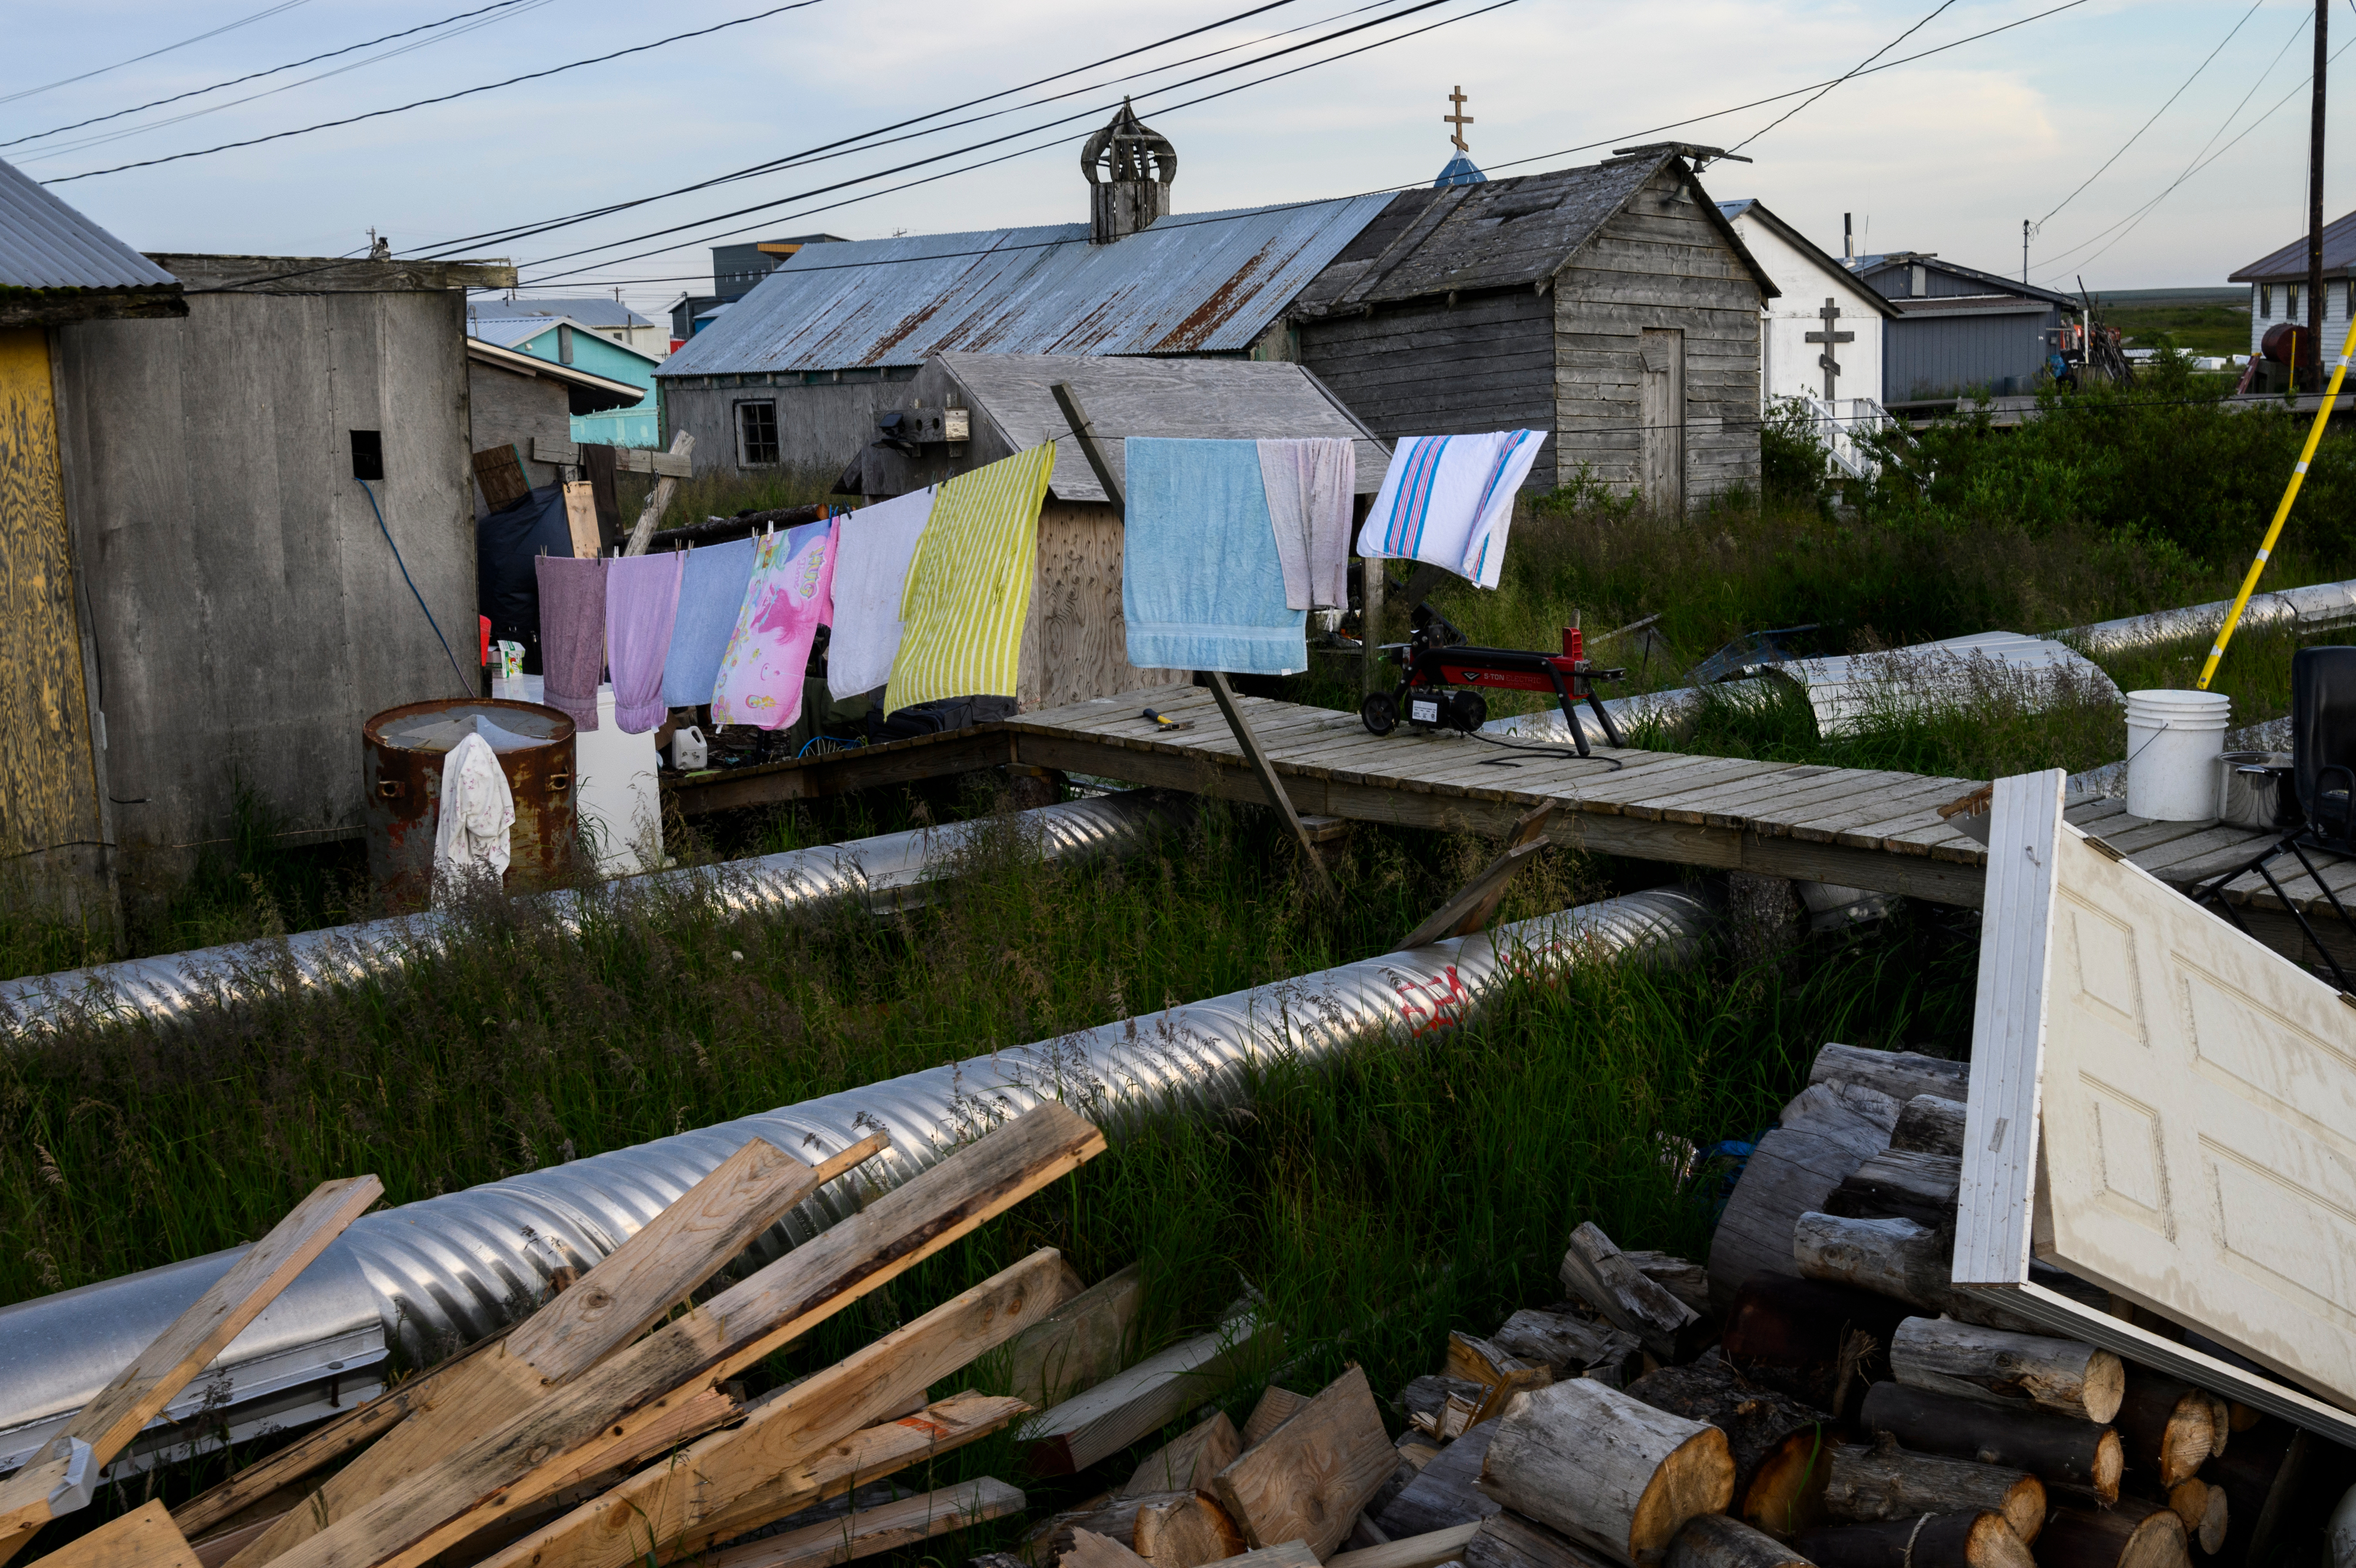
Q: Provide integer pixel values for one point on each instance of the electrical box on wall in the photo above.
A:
(368, 455)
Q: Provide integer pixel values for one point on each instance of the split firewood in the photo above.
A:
(1611, 1472)
(1573, 1347)
(1827, 1132)
(676, 1250)
(883, 1526)
(1721, 1540)
(1900, 1183)
(2204, 1510)
(144, 1538)
(1308, 1479)
(1180, 1522)
(1416, 1449)
(1901, 1075)
(1090, 1549)
(1131, 1404)
(2168, 1427)
(1779, 1445)
(1274, 1407)
(1899, 1258)
(2062, 1375)
(2221, 1421)
(495, 1472)
(1187, 1463)
(2054, 1448)
(63, 1475)
(1508, 1541)
(1445, 1492)
(1977, 1540)
(1600, 1274)
(1688, 1281)
(1427, 1551)
(2135, 1534)
(1080, 1344)
(1821, 1343)
(1929, 1124)
(1500, 1374)
(1443, 1407)
(1885, 1481)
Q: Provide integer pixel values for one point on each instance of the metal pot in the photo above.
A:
(404, 749)
(2256, 790)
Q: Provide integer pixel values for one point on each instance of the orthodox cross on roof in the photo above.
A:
(1831, 340)
(1460, 119)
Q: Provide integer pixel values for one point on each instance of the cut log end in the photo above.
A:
(1977, 1539)
(1697, 1477)
(2124, 1537)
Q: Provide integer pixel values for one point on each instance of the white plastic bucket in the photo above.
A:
(2173, 742)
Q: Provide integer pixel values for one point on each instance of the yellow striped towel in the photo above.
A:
(969, 590)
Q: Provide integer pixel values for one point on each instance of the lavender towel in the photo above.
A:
(711, 593)
(571, 635)
(641, 602)
(1309, 486)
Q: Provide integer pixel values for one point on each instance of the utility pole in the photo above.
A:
(2024, 250)
(2311, 359)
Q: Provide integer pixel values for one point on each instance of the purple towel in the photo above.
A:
(571, 635)
(641, 601)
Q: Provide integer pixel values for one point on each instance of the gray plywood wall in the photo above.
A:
(247, 612)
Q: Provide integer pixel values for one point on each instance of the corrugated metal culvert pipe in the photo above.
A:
(881, 872)
(456, 1267)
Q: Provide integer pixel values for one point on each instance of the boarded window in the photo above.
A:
(2266, 300)
(563, 344)
(756, 434)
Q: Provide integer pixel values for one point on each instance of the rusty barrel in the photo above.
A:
(404, 749)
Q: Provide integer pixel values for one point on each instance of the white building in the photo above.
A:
(2278, 286)
(1792, 348)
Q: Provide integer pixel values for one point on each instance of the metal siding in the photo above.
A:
(46, 245)
(1200, 283)
(1937, 356)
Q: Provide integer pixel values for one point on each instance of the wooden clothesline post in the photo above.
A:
(1254, 756)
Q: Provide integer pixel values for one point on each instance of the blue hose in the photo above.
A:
(465, 685)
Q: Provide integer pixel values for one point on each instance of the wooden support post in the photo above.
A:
(1266, 771)
(1470, 910)
(1084, 433)
(682, 446)
(1371, 579)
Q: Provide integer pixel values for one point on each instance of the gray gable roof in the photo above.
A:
(2289, 264)
(1505, 233)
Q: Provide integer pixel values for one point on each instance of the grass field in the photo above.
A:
(2188, 328)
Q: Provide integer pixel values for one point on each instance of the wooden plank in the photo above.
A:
(2102, 808)
(1187, 1463)
(1610, 792)
(508, 1467)
(1274, 1407)
(1266, 772)
(1726, 802)
(1129, 1405)
(1649, 808)
(2176, 851)
(1308, 1479)
(1079, 1343)
(580, 521)
(1845, 791)
(682, 446)
(1882, 795)
(2152, 835)
(1867, 829)
(330, 274)
(501, 475)
(1470, 910)
(629, 460)
(841, 772)
(883, 1528)
(61, 1478)
(1427, 1551)
(144, 1538)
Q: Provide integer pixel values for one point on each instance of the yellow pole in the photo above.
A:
(2282, 512)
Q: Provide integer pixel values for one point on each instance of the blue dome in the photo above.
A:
(1460, 170)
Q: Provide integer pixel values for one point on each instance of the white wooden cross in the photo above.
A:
(1460, 119)
(1831, 340)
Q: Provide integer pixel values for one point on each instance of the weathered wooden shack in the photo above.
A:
(523, 401)
(241, 602)
(1075, 643)
(1613, 306)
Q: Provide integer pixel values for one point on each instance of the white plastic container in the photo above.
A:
(619, 798)
(2174, 739)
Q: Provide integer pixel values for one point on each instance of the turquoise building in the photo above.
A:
(565, 341)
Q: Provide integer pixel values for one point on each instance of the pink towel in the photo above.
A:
(641, 601)
(791, 593)
(571, 635)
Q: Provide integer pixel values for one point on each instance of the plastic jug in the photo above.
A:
(688, 749)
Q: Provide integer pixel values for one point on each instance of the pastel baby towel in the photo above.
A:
(1202, 584)
(1449, 499)
(968, 587)
(870, 573)
(1310, 484)
(571, 635)
(710, 597)
(641, 603)
(791, 593)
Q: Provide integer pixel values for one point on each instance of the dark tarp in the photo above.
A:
(506, 583)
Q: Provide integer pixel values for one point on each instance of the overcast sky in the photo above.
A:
(1947, 153)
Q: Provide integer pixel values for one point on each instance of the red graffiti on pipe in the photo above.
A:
(1429, 1004)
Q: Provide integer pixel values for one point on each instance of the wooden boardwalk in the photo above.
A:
(1860, 828)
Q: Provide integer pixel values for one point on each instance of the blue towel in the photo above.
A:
(1201, 583)
(711, 593)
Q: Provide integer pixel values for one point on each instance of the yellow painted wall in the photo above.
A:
(49, 781)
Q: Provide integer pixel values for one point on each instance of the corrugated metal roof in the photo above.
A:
(1969, 305)
(2290, 262)
(508, 334)
(1193, 283)
(588, 311)
(45, 245)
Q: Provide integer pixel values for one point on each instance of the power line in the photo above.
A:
(151, 54)
(2147, 125)
(445, 98)
(1845, 75)
(257, 75)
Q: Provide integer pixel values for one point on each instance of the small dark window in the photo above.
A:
(564, 344)
(2266, 300)
(2290, 302)
(756, 434)
(368, 455)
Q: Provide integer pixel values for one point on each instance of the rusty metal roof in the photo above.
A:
(46, 245)
(1193, 283)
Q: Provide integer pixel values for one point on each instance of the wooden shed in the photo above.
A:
(1613, 306)
(522, 401)
(1075, 644)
